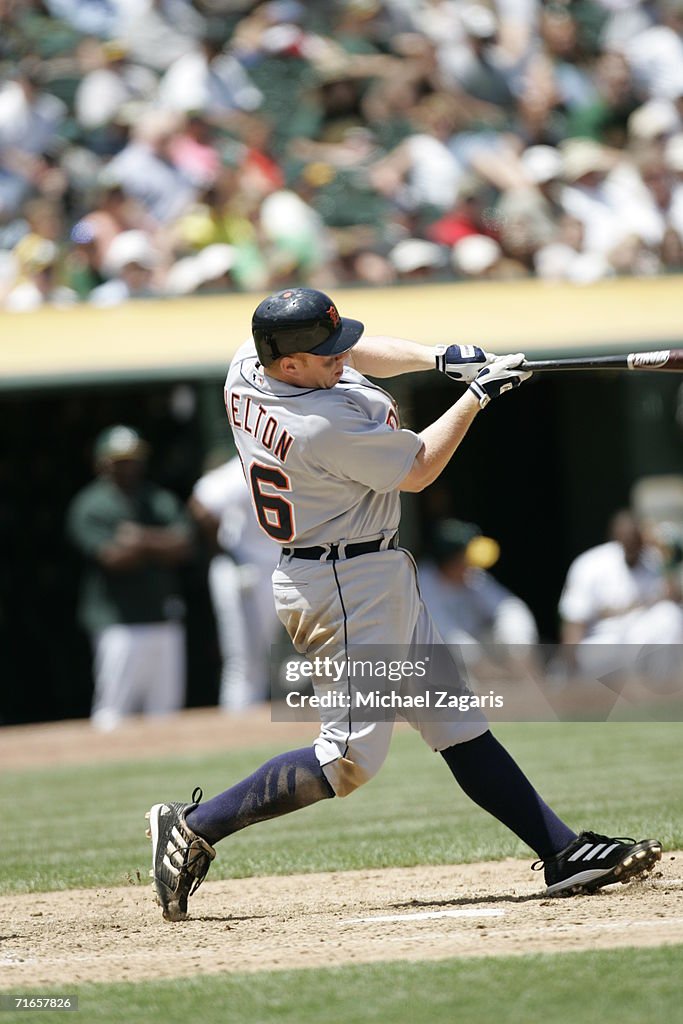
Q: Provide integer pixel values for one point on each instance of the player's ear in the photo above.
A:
(290, 365)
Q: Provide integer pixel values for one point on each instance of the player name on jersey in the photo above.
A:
(253, 418)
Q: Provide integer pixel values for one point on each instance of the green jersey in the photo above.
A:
(146, 593)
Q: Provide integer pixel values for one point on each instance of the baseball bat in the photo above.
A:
(668, 360)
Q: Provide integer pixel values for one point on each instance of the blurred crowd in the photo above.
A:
(168, 147)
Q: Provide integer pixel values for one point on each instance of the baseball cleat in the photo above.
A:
(180, 858)
(592, 860)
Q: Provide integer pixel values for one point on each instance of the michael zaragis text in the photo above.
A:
(391, 699)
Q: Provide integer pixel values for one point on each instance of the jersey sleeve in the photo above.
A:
(169, 510)
(87, 526)
(489, 592)
(355, 447)
(212, 491)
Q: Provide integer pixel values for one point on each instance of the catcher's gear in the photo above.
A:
(461, 362)
(301, 320)
(180, 858)
(591, 861)
(500, 376)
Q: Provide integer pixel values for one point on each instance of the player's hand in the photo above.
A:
(130, 536)
(500, 376)
(461, 362)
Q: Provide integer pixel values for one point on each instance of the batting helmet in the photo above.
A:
(301, 320)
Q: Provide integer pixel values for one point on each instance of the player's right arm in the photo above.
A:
(441, 439)
(383, 356)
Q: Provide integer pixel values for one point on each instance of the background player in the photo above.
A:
(239, 583)
(133, 535)
(468, 605)
(325, 458)
(620, 607)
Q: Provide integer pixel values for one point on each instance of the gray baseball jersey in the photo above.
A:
(324, 466)
(345, 486)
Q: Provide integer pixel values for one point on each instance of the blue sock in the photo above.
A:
(490, 777)
(283, 784)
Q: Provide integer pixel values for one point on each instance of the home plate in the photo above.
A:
(428, 915)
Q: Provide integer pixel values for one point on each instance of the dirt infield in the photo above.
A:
(200, 730)
(257, 924)
(317, 920)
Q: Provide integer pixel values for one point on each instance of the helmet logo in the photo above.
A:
(334, 315)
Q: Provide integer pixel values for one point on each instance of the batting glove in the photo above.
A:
(461, 362)
(498, 377)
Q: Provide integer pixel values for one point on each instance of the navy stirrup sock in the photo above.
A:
(283, 784)
(490, 777)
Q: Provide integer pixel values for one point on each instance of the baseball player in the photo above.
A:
(468, 605)
(239, 583)
(325, 458)
(620, 609)
(133, 535)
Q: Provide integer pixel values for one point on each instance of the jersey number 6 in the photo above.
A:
(275, 513)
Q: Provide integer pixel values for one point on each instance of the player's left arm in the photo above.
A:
(169, 541)
(384, 356)
(166, 545)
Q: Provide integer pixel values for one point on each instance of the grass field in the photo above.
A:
(614, 778)
(85, 828)
(624, 987)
